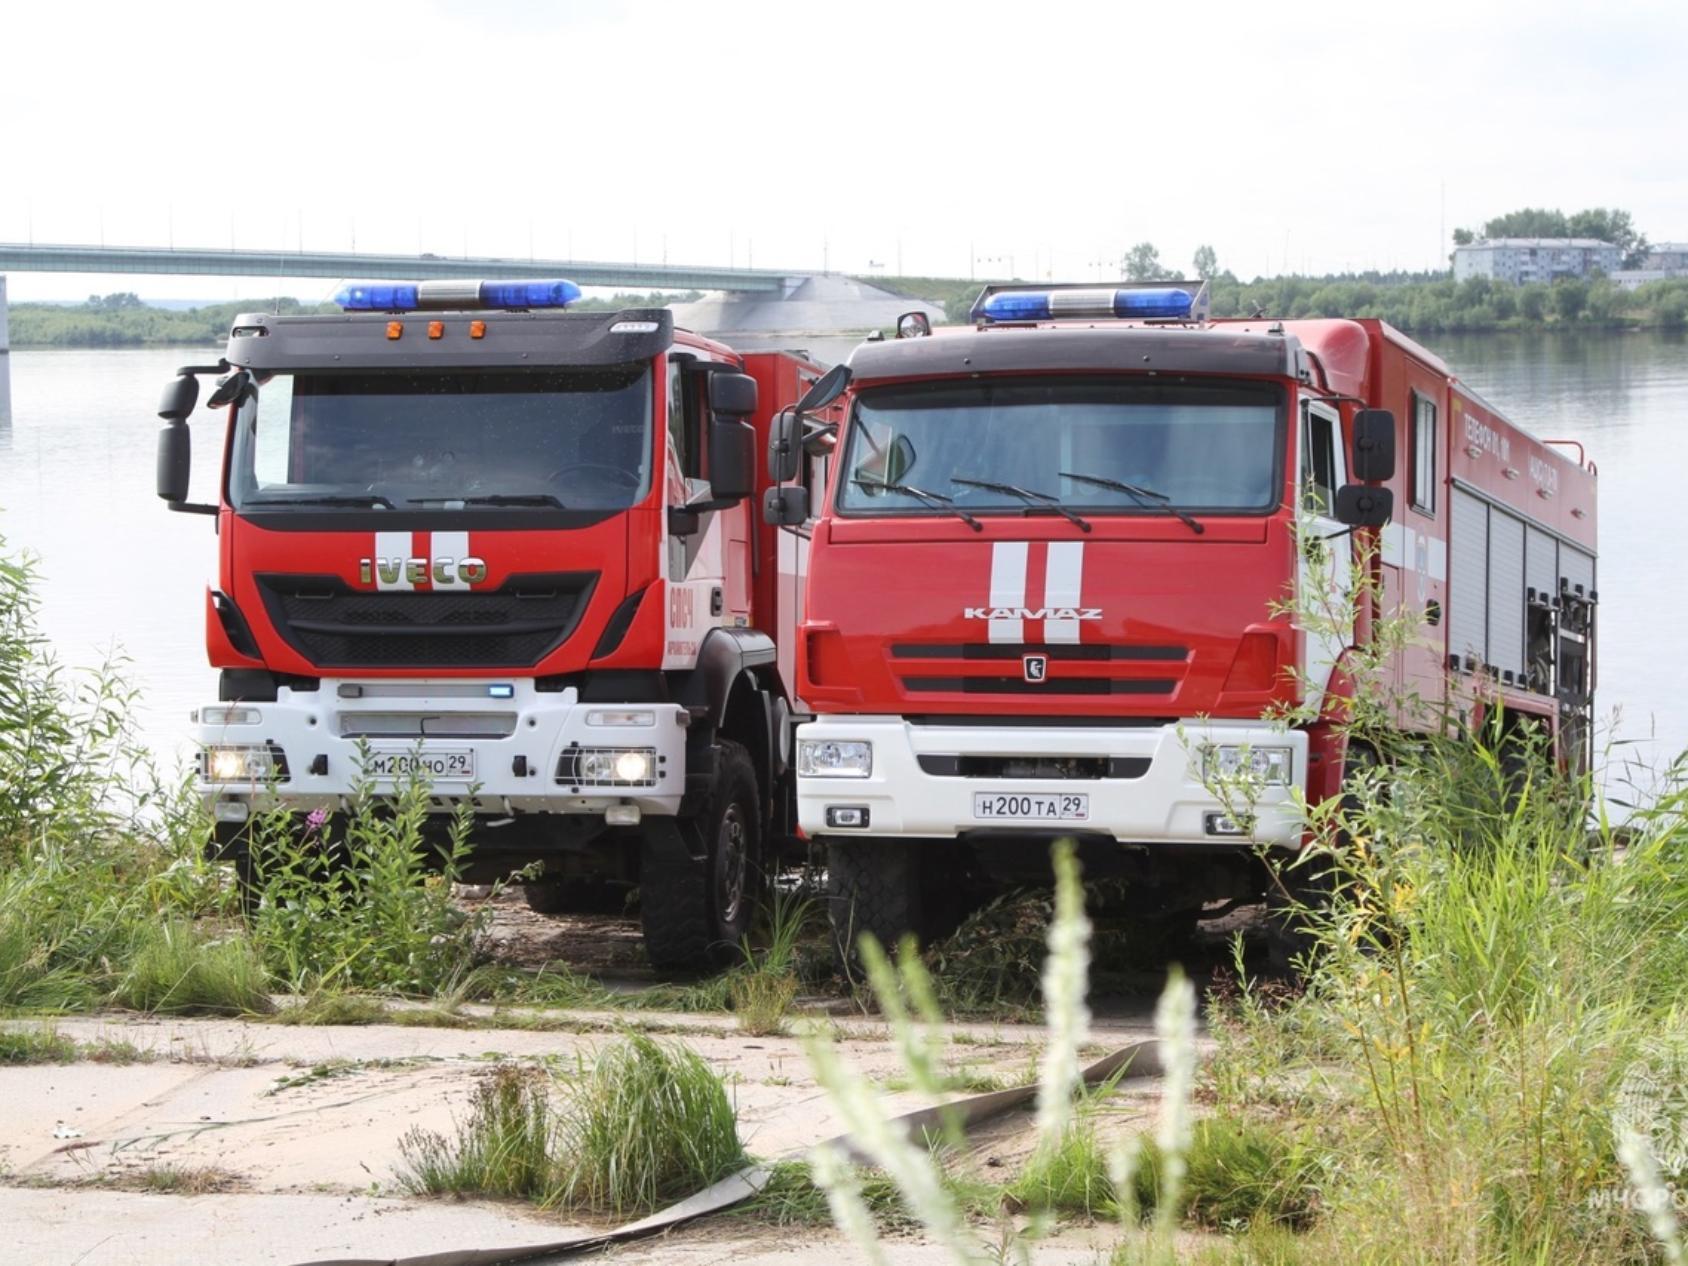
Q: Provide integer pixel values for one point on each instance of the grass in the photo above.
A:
(643, 1125)
(1068, 1175)
(183, 1180)
(44, 1045)
(178, 966)
(1241, 1173)
(506, 1146)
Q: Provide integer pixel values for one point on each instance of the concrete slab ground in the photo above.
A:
(295, 1133)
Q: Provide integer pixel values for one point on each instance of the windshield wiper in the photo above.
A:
(500, 499)
(1148, 498)
(352, 499)
(1029, 495)
(920, 494)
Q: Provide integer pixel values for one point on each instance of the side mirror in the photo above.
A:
(786, 506)
(1374, 445)
(175, 458)
(785, 439)
(732, 394)
(825, 389)
(732, 458)
(1364, 507)
(180, 395)
(914, 325)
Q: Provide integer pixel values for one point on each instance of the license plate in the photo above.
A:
(1019, 806)
(436, 762)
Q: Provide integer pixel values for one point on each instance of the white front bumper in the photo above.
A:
(320, 731)
(1167, 804)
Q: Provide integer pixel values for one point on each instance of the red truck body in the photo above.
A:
(992, 670)
(515, 551)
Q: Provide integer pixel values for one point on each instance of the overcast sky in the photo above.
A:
(866, 136)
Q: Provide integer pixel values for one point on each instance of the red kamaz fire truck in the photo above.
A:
(1041, 588)
(464, 532)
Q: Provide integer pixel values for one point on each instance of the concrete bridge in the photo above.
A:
(18, 257)
(36, 257)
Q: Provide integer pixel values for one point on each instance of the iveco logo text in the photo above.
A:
(1032, 613)
(445, 571)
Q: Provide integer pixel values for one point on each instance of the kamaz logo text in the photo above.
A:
(1031, 613)
(415, 571)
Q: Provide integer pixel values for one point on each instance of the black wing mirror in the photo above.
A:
(732, 394)
(786, 506)
(825, 389)
(732, 458)
(1374, 445)
(1358, 506)
(180, 396)
(785, 440)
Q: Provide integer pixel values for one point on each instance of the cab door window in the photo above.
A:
(1424, 454)
(1319, 476)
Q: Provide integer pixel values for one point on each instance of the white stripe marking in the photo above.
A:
(451, 546)
(1063, 582)
(392, 557)
(1008, 588)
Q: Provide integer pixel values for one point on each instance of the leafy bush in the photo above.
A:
(363, 904)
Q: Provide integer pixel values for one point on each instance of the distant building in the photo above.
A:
(1670, 257)
(1521, 260)
(1664, 261)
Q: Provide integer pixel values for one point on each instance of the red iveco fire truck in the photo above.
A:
(464, 532)
(1041, 589)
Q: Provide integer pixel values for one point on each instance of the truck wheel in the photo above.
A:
(872, 886)
(696, 913)
(1290, 942)
(546, 896)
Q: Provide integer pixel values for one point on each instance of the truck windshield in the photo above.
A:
(445, 441)
(1146, 446)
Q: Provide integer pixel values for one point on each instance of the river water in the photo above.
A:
(76, 488)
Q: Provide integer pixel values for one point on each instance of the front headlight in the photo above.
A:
(609, 766)
(237, 764)
(1274, 766)
(834, 758)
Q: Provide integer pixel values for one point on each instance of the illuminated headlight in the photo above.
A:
(224, 714)
(609, 766)
(622, 716)
(832, 758)
(237, 764)
(1274, 766)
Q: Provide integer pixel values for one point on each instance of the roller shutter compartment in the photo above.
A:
(1506, 592)
(1468, 577)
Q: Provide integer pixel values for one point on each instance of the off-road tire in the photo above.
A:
(1290, 943)
(693, 912)
(872, 886)
(547, 896)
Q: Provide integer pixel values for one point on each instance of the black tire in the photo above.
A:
(1307, 887)
(695, 912)
(872, 886)
(546, 896)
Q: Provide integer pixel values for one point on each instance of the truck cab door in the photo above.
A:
(707, 566)
(1324, 575)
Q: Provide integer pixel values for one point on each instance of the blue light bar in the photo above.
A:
(1170, 302)
(1022, 306)
(377, 296)
(528, 294)
(450, 295)
(1080, 302)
